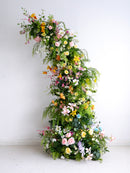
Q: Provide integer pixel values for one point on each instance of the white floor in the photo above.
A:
(31, 159)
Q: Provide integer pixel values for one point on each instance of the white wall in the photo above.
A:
(103, 29)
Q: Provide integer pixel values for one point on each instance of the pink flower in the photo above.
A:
(56, 23)
(57, 30)
(56, 82)
(68, 135)
(64, 141)
(59, 36)
(37, 39)
(81, 68)
(53, 20)
(65, 111)
(66, 78)
(89, 157)
(61, 106)
(63, 85)
(71, 44)
(71, 141)
(72, 105)
(112, 138)
(57, 44)
(50, 27)
(84, 89)
(102, 134)
(29, 20)
(67, 32)
(43, 132)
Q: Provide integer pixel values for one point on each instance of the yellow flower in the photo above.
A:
(87, 81)
(70, 119)
(90, 131)
(43, 24)
(43, 34)
(51, 48)
(75, 46)
(86, 106)
(65, 42)
(92, 107)
(76, 94)
(57, 49)
(66, 72)
(33, 16)
(83, 99)
(73, 113)
(66, 53)
(87, 92)
(95, 80)
(70, 67)
(83, 134)
(82, 55)
(68, 150)
(64, 64)
(76, 58)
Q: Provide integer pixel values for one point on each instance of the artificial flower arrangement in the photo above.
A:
(73, 132)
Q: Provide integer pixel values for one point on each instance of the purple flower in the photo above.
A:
(81, 148)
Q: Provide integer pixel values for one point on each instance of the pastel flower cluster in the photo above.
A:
(73, 132)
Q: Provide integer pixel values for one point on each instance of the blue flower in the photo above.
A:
(78, 116)
(100, 128)
(96, 129)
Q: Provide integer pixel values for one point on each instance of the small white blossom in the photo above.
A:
(75, 81)
(53, 140)
(62, 157)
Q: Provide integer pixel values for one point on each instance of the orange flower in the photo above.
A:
(55, 68)
(33, 16)
(43, 29)
(48, 67)
(70, 88)
(92, 107)
(58, 57)
(44, 72)
(53, 101)
(62, 96)
(53, 71)
(60, 76)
